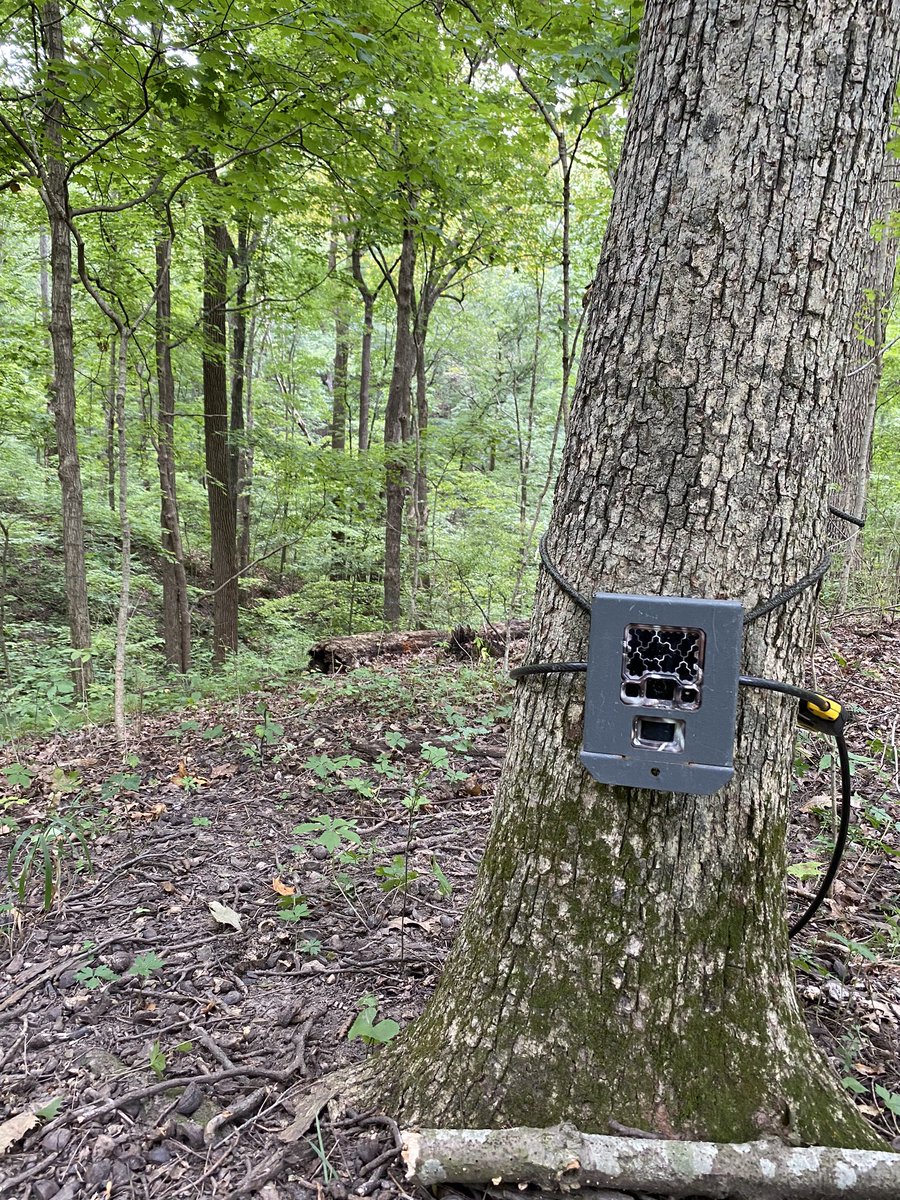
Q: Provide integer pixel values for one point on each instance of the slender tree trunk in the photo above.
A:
(396, 423)
(858, 395)
(121, 721)
(110, 414)
(245, 463)
(365, 359)
(46, 316)
(238, 366)
(4, 571)
(176, 608)
(625, 953)
(218, 461)
(55, 194)
(421, 581)
(341, 361)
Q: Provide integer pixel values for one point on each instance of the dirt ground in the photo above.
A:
(263, 888)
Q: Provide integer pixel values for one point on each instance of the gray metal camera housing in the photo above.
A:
(661, 696)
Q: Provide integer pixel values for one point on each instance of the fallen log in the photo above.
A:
(562, 1159)
(345, 653)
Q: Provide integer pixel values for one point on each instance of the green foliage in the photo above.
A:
(395, 875)
(362, 148)
(367, 1029)
(94, 977)
(293, 909)
(44, 849)
(145, 964)
(331, 832)
(157, 1060)
(445, 887)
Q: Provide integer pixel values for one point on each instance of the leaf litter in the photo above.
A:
(275, 874)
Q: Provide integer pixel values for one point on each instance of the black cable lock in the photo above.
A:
(648, 677)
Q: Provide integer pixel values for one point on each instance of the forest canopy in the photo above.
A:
(292, 304)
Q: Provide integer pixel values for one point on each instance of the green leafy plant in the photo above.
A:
(849, 944)
(145, 964)
(157, 1060)
(445, 887)
(201, 822)
(16, 776)
(330, 832)
(805, 870)
(323, 765)
(310, 946)
(268, 730)
(367, 1029)
(890, 1100)
(94, 977)
(395, 874)
(292, 908)
(42, 849)
(122, 781)
(318, 1148)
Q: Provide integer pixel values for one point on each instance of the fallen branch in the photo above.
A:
(345, 653)
(563, 1159)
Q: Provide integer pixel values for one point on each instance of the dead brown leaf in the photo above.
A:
(12, 1130)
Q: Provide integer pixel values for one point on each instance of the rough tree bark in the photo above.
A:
(625, 953)
(396, 421)
(55, 195)
(218, 465)
(855, 419)
(176, 608)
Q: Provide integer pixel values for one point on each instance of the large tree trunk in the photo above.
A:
(55, 194)
(176, 609)
(625, 953)
(858, 395)
(396, 423)
(218, 465)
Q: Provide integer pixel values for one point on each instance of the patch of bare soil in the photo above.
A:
(273, 883)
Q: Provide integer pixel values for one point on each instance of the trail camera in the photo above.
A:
(661, 698)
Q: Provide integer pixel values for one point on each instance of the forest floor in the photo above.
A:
(271, 879)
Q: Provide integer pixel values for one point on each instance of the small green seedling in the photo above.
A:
(890, 1100)
(43, 846)
(157, 1060)
(395, 874)
(145, 964)
(292, 908)
(94, 977)
(445, 887)
(16, 776)
(367, 1029)
(330, 832)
